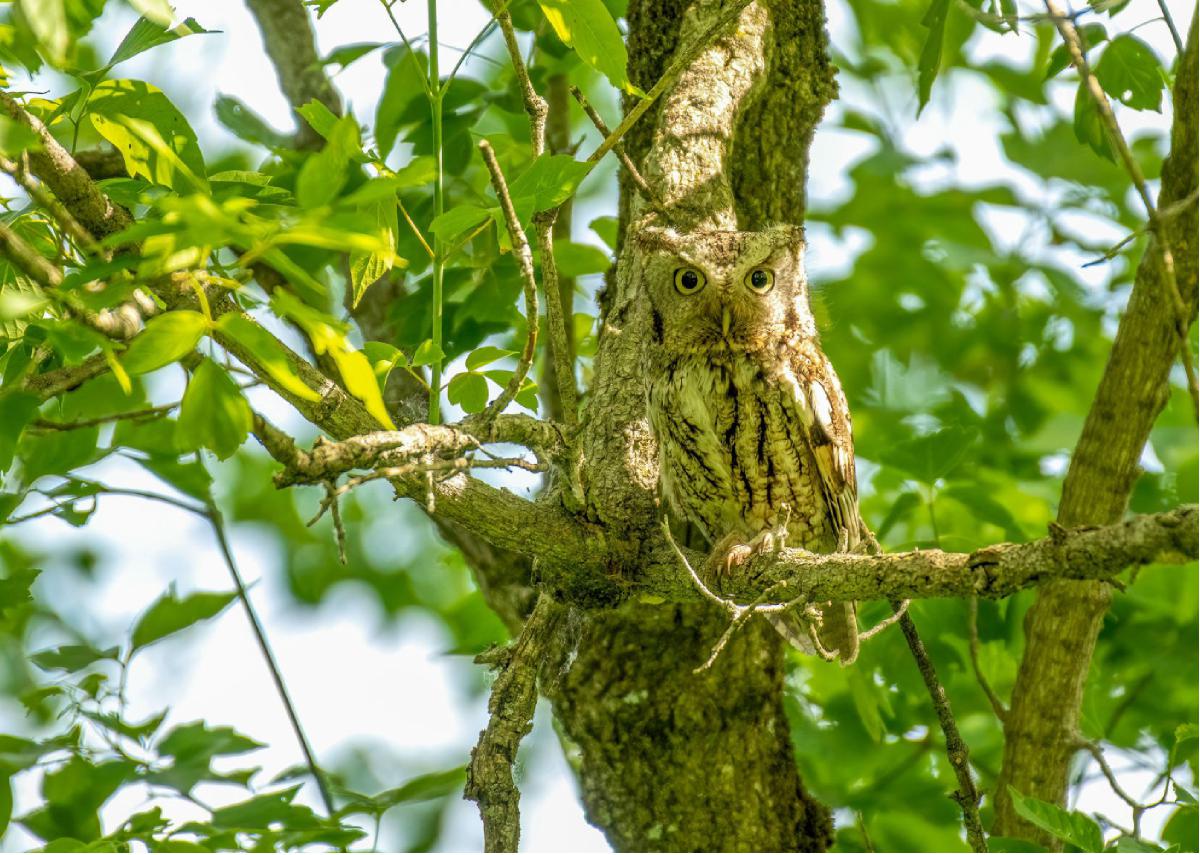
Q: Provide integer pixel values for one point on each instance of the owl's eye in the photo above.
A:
(760, 280)
(689, 280)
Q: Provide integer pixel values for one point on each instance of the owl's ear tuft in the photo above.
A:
(788, 234)
(655, 237)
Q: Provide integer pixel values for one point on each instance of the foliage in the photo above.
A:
(967, 337)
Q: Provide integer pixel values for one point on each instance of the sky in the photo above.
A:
(355, 678)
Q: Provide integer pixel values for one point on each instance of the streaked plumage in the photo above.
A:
(748, 412)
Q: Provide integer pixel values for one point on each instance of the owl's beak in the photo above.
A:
(725, 320)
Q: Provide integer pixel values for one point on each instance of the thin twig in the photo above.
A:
(1162, 4)
(973, 646)
(479, 37)
(524, 257)
(1182, 318)
(967, 795)
(538, 110)
(416, 231)
(682, 61)
(535, 104)
(638, 181)
(885, 623)
(260, 636)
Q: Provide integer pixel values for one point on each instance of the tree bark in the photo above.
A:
(1062, 625)
(671, 759)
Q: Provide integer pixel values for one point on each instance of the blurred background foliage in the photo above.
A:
(946, 252)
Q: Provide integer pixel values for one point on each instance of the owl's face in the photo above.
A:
(739, 291)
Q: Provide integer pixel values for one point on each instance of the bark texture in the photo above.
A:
(1062, 625)
(670, 759)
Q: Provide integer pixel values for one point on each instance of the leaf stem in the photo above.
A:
(213, 514)
(439, 203)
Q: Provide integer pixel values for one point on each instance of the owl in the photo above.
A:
(752, 424)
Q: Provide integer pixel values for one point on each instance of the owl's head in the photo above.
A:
(714, 290)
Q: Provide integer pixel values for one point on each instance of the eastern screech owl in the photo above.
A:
(749, 415)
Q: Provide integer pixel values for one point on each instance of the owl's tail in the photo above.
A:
(838, 632)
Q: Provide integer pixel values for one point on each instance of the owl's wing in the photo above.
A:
(826, 418)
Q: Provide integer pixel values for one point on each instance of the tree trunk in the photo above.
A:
(671, 759)
(1061, 627)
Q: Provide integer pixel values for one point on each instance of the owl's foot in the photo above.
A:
(731, 553)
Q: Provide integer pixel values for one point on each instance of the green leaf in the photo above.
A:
(579, 259)
(486, 356)
(457, 221)
(930, 62)
(262, 811)
(1182, 830)
(432, 785)
(1187, 740)
(214, 414)
(71, 657)
(319, 117)
(247, 125)
(169, 615)
(146, 34)
(14, 588)
(73, 794)
(1130, 71)
(606, 229)
(344, 55)
(191, 477)
(1089, 127)
(548, 182)
(1012, 844)
(469, 391)
(158, 11)
(188, 743)
(329, 336)
(16, 409)
(48, 21)
(901, 509)
(933, 456)
(404, 83)
(383, 358)
(153, 137)
(58, 452)
(360, 382)
(366, 268)
(15, 138)
(166, 339)
(1069, 826)
(324, 174)
(427, 353)
(1060, 58)
(133, 730)
(588, 28)
(982, 503)
(268, 351)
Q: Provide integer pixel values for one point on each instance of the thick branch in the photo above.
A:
(288, 36)
(69, 182)
(511, 705)
(994, 571)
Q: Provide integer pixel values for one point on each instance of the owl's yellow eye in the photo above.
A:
(760, 280)
(689, 280)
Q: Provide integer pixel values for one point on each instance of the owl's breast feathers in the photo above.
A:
(741, 434)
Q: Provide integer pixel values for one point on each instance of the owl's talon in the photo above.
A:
(730, 554)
